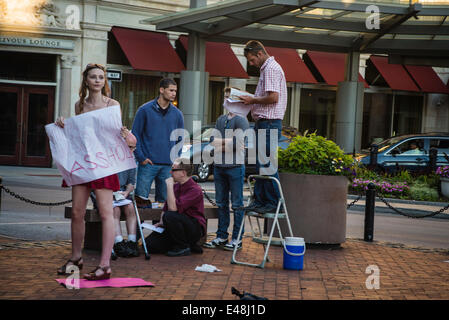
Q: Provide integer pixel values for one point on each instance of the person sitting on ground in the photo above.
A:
(123, 248)
(182, 216)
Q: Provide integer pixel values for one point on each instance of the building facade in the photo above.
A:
(45, 45)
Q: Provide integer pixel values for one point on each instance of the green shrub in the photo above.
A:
(422, 192)
(312, 154)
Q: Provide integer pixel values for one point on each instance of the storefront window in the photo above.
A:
(21, 66)
(216, 97)
(376, 118)
(132, 92)
(317, 112)
(407, 114)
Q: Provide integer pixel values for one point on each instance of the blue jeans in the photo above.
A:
(229, 180)
(145, 176)
(266, 192)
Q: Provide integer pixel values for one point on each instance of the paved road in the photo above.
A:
(26, 221)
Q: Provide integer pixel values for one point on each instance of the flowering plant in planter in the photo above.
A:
(313, 154)
(385, 188)
(443, 172)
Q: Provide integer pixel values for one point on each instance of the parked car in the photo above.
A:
(409, 152)
(204, 170)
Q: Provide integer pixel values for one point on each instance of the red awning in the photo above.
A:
(427, 79)
(220, 59)
(294, 68)
(394, 74)
(331, 66)
(148, 50)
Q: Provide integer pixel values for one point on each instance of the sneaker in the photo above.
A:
(121, 249)
(266, 209)
(216, 243)
(178, 252)
(252, 206)
(133, 249)
(230, 246)
(143, 203)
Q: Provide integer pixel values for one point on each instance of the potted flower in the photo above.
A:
(313, 173)
(443, 172)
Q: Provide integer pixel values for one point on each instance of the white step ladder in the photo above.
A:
(260, 238)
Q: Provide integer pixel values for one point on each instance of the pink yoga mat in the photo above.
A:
(113, 282)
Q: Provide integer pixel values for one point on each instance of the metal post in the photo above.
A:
(433, 159)
(369, 212)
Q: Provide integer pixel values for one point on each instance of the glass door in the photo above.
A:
(10, 124)
(24, 113)
(37, 112)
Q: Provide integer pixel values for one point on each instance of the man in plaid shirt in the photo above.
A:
(268, 108)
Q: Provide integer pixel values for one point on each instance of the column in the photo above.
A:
(194, 88)
(65, 85)
(349, 107)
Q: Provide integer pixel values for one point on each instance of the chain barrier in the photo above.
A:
(400, 212)
(413, 216)
(353, 202)
(46, 204)
(212, 202)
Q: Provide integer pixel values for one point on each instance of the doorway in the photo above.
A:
(25, 110)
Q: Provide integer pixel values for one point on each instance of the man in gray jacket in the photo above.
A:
(229, 172)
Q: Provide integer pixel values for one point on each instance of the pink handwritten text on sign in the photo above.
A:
(89, 146)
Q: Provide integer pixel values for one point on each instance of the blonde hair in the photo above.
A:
(106, 91)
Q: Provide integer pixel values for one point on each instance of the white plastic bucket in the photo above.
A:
(294, 250)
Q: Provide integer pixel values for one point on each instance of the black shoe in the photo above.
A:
(133, 249)
(266, 209)
(121, 249)
(178, 252)
(195, 248)
(252, 206)
(142, 203)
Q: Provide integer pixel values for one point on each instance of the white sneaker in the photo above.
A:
(217, 242)
(230, 246)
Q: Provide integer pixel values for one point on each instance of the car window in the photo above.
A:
(411, 147)
(441, 144)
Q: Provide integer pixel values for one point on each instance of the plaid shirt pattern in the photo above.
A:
(271, 78)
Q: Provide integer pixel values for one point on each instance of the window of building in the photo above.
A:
(317, 112)
(132, 92)
(23, 66)
(407, 114)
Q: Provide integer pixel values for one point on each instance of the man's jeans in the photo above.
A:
(229, 180)
(266, 191)
(145, 176)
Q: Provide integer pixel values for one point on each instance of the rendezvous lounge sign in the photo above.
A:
(37, 42)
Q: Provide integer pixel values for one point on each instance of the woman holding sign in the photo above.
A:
(95, 86)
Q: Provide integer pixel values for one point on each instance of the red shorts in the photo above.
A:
(109, 182)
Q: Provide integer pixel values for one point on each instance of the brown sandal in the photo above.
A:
(63, 270)
(93, 276)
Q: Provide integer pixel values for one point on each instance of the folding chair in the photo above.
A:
(275, 216)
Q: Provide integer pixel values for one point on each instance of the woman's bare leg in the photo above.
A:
(80, 196)
(104, 203)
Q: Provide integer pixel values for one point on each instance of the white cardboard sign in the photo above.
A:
(90, 147)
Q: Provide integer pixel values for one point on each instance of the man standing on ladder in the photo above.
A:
(269, 105)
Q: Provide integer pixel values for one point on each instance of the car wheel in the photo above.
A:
(203, 171)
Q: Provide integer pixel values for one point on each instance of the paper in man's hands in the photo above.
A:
(90, 147)
(235, 95)
(152, 227)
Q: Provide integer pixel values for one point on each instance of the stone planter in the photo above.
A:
(317, 207)
(445, 187)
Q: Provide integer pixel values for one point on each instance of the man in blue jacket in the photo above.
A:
(154, 123)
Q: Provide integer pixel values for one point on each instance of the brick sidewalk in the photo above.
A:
(28, 271)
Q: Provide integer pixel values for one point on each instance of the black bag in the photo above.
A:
(246, 295)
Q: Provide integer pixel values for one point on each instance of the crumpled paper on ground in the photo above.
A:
(207, 268)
